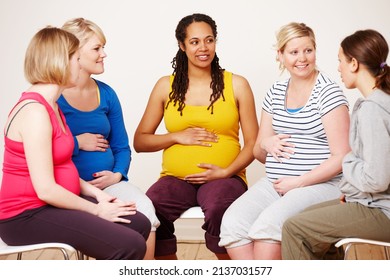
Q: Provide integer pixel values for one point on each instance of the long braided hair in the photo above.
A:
(180, 65)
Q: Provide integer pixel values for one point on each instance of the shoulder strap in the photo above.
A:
(9, 124)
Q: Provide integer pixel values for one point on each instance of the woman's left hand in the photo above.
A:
(105, 197)
(285, 184)
(105, 178)
(212, 172)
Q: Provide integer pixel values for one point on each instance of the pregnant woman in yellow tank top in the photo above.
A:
(203, 107)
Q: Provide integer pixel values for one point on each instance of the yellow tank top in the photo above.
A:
(182, 160)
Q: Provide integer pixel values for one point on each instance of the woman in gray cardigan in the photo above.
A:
(364, 208)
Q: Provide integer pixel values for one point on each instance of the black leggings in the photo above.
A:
(93, 236)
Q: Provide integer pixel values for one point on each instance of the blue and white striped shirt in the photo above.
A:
(304, 126)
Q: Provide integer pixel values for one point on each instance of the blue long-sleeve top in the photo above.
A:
(107, 120)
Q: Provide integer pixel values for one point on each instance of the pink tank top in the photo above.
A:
(17, 193)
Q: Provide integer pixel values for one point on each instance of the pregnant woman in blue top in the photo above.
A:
(93, 112)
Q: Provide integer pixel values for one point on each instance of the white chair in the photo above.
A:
(66, 249)
(188, 227)
(349, 242)
(193, 213)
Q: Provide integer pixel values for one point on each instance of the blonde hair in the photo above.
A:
(48, 55)
(291, 31)
(84, 29)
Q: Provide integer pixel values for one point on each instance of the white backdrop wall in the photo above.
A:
(141, 45)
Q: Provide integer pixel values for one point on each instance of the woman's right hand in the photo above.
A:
(92, 142)
(114, 210)
(277, 146)
(196, 136)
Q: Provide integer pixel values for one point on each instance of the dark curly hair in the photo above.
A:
(180, 66)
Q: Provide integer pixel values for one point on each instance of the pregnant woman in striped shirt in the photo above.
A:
(302, 139)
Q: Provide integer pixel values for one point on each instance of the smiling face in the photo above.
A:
(199, 44)
(299, 57)
(92, 55)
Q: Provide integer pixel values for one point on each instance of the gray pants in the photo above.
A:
(125, 191)
(313, 233)
(260, 212)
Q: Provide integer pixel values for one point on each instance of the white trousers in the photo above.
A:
(260, 212)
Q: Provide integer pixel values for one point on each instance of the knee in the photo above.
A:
(152, 217)
(286, 225)
(233, 231)
(135, 249)
(141, 224)
(156, 203)
(145, 226)
(232, 227)
(228, 219)
(215, 212)
(152, 194)
(289, 226)
(129, 245)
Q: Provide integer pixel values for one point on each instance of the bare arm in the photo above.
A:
(36, 133)
(265, 130)
(145, 139)
(248, 122)
(336, 125)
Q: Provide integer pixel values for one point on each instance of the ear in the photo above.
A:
(354, 65)
(279, 56)
(182, 47)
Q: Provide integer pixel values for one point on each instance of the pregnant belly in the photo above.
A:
(181, 160)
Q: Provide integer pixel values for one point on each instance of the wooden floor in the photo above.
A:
(186, 250)
(194, 250)
(367, 252)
